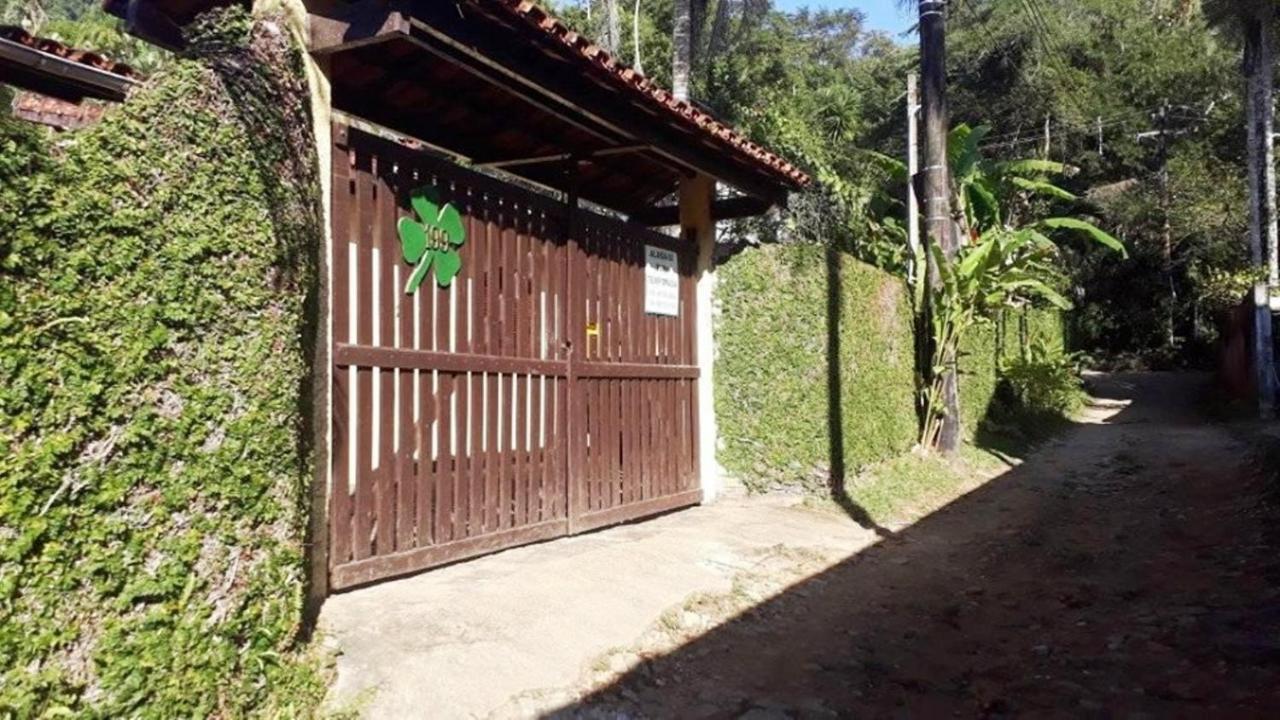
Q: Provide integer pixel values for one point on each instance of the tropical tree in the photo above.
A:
(1007, 259)
(1100, 72)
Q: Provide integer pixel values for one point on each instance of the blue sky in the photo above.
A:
(881, 14)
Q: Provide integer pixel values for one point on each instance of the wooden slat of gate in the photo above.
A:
(648, 390)
(487, 308)
(461, 329)
(363, 275)
(406, 440)
(615, 410)
(523, 305)
(476, 384)
(384, 330)
(340, 493)
(575, 416)
(657, 449)
(616, 481)
(444, 421)
(541, 283)
(537, 406)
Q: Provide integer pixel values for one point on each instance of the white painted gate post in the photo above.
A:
(696, 196)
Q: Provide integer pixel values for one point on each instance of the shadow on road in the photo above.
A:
(1125, 569)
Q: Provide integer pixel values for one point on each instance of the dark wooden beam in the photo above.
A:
(726, 209)
(535, 66)
(557, 157)
(450, 115)
(364, 23)
(144, 20)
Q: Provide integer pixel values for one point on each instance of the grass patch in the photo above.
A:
(909, 486)
(906, 487)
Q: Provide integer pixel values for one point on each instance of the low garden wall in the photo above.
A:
(782, 403)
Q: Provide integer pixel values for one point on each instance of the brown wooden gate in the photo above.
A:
(532, 398)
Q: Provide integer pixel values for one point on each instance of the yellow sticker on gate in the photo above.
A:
(593, 329)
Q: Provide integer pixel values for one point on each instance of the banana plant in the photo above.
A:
(1007, 259)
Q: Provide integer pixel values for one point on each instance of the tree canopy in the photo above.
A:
(1141, 97)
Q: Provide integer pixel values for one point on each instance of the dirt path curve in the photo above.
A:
(1128, 569)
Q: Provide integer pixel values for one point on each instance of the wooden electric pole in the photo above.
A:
(936, 186)
(1166, 230)
(681, 48)
(913, 167)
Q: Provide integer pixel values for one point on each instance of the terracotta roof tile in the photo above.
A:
(637, 83)
(59, 49)
(45, 110)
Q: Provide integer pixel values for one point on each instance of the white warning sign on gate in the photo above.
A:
(661, 281)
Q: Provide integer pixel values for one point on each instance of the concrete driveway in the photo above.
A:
(527, 630)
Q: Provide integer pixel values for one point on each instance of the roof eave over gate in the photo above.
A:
(49, 67)
(504, 85)
(554, 97)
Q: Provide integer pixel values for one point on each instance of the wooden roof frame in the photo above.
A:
(438, 28)
(585, 108)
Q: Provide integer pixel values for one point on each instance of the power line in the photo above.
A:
(1079, 132)
(1177, 112)
(1065, 127)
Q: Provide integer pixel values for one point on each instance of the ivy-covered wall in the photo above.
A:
(157, 294)
(983, 350)
(784, 312)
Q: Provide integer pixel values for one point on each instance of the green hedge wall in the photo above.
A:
(158, 275)
(773, 331)
(988, 343)
(781, 308)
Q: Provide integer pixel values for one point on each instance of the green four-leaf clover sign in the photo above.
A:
(434, 241)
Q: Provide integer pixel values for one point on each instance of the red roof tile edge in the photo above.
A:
(55, 112)
(19, 35)
(533, 14)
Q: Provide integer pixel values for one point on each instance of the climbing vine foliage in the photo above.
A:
(157, 280)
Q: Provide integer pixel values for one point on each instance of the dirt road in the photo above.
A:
(1130, 568)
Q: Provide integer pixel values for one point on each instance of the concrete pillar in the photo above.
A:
(696, 196)
(318, 525)
(295, 18)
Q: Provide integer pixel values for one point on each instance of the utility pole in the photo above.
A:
(1166, 230)
(681, 48)
(614, 25)
(1163, 133)
(936, 185)
(913, 167)
(635, 40)
(1258, 60)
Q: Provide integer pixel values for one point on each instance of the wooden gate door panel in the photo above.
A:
(449, 402)
(529, 398)
(635, 381)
